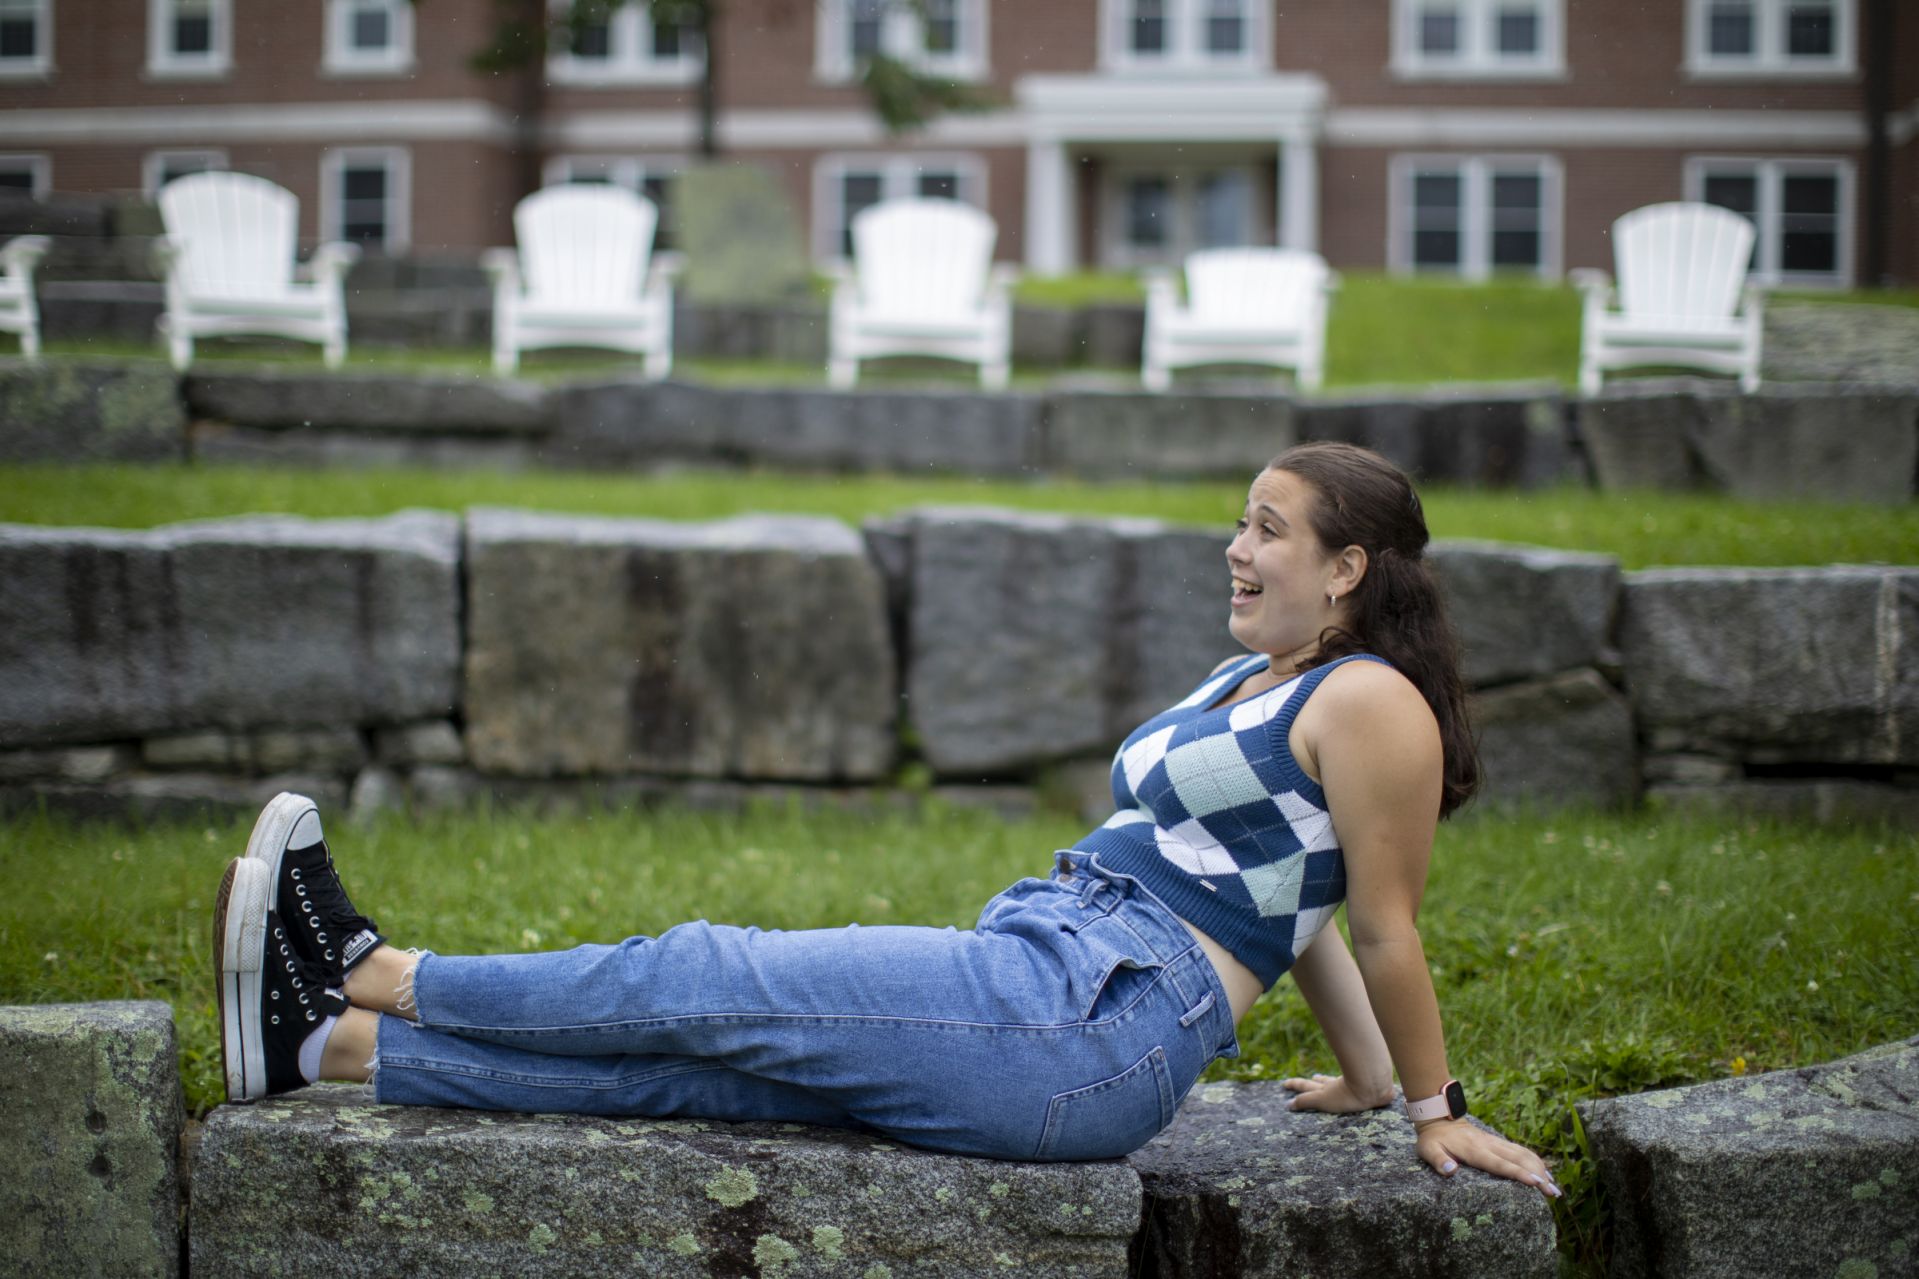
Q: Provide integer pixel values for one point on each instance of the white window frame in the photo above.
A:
(154, 163)
(1476, 230)
(1771, 172)
(41, 63)
(899, 179)
(1769, 57)
(902, 37)
(629, 60)
(39, 168)
(398, 162)
(1185, 47)
(164, 63)
(1479, 57)
(342, 59)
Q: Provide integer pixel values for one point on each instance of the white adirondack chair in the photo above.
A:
(1682, 279)
(19, 313)
(1244, 306)
(228, 261)
(923, 282)
(585, 275)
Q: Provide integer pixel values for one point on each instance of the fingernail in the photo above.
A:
(1448, 1166)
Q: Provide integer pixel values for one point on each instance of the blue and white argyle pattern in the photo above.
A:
(1216, 818)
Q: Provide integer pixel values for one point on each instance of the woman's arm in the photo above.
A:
(1330, 981)
(1379, 759)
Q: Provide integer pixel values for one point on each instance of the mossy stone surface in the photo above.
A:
(396, 1191)
(90, 1123)
(1797, 1172)
(1239, 1185)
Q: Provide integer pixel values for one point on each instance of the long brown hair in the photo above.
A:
(1396, 611)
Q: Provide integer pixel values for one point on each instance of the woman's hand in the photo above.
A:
(1447, 1143)
(1332, 1095)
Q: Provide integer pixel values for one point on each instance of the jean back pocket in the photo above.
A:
(1113, 1117)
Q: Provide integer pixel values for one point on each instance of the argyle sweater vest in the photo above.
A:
(1218, 821)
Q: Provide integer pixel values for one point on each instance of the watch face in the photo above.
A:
(1456, 1099)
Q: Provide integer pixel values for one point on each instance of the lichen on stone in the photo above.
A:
(878, 1270)
(1866, 1190)
(999, 1190)
(478, 1202)
(1856, 1268)
(731, 1187)
(541, 1237)
(684, 1244)
(830, 1242)
(771, 1253)
(1462, 1230)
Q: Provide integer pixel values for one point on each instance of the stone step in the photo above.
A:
(1239, 1185)
(1795, 1172)
(390, 1190)
(89, 1140)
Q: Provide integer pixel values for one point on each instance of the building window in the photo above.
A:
(1801, 211)
(26, 37)
(25, 176)
(368, 37)
(845, 185)
(934, 37)
(365, 197)
(653, 178)
(599, 44)
(162, 167)
(1477, 39)
(1794, 37)
(1474, 216)
(1145, 35)
(189, 37)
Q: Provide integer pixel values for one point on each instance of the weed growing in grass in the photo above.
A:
(1574, 956)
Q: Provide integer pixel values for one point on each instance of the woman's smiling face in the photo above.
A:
(1281, 573)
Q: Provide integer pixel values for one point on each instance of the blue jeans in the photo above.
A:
(1067, 1025)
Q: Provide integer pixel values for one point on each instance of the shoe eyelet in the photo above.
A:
(296, 980)
(306, 908)
(303, 999)
(300, 890)
(273, 994)
(276, 1019)
(313, 921)
(321, 939)
(280, 933)
(283, 948)
(312, 1016)
(296, 872)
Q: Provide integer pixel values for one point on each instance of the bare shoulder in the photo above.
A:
(1372, 710)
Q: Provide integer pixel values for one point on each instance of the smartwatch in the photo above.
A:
(1450, 1103)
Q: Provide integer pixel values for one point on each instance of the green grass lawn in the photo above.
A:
(1642, 529)
(1575, 956)
(1384, 331)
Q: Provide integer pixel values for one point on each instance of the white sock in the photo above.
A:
(313, 1049)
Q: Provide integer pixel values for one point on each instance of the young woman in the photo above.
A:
(1071, 1020)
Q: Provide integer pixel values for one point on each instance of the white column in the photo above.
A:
(1298, 193)
(1051, 218)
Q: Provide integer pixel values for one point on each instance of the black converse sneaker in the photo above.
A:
(270, 998)
(304, 888)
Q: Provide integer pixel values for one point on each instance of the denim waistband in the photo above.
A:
(1154, 922)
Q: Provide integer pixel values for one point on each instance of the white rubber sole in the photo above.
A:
(239, 949)
(268, 843)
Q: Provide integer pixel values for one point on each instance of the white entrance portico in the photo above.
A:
(1065, 114)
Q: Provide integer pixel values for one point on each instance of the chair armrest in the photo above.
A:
(163, 253)
(1162, 291)
(500, 264)
(22, 254)
(1753, 300)
(332, 260)
(665, 268)
(846, 283)
(1332, 283)
(1590, 280)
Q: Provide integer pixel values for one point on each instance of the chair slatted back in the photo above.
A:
(585, 245)
(236, 234)
(1263, 288)
(1683, 263)
(923, 257)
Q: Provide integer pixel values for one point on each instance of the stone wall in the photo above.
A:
(430, 659)
(1238, 1185)
(1831, 442)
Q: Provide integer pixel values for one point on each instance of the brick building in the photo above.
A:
(1461, 136)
